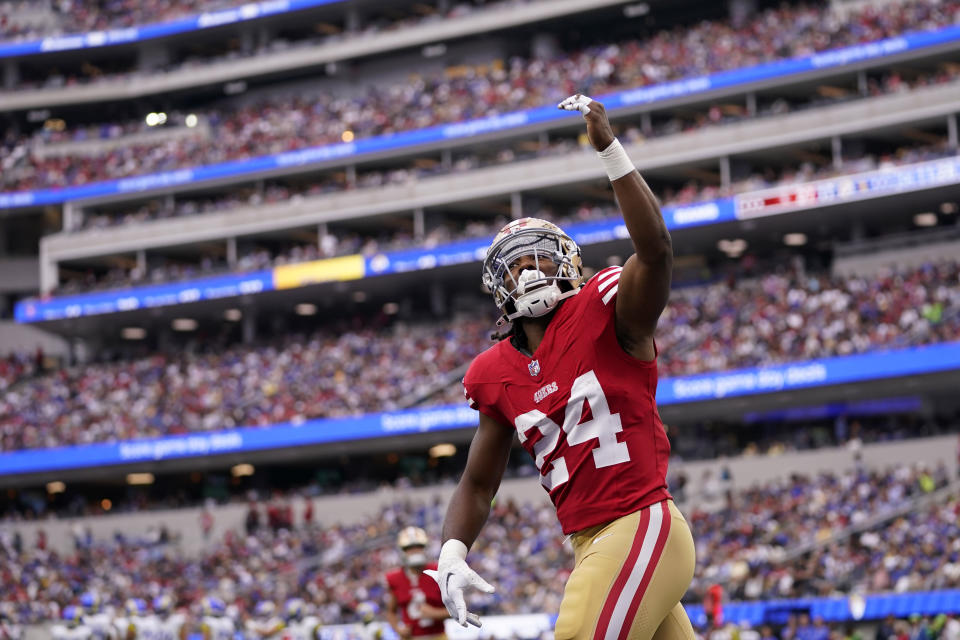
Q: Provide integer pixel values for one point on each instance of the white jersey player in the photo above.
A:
(216, 624)
(265, 622)
(164, 624)
(299, 626)
(72, 627)
(369, 628)
(125, 627)
(95, 618)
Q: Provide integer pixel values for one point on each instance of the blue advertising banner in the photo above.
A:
(827, 371)
(504, 122)
(210, 19)
(279, 436)
(866, 607)
(346, 267)
(160, 295)
(810, 373)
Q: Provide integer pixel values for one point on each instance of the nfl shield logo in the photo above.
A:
(534, 368)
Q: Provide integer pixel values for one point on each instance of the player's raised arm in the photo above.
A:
(645, 280)
(467, 513)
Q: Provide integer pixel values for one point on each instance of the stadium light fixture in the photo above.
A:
(391, 308)
(637, 10)
(241, 470)
(133, 333)
(152, 119)
(191, 120)
(434, 50)
(925, 219)
(232, 315)
(56, 487)
(733, 248)
(347, 136)
(444, 450)
(184, 324)
(795, 239)
(139, 478)
(359, 296)
(948, 208)
(306, 309)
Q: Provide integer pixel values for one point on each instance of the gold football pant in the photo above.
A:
(628, 579)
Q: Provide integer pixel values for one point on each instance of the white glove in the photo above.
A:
(576, 102)
(453, 575)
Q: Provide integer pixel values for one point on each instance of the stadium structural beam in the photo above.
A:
(232, 251)
(751, 103)
(142, 261)
(862, 87)
(952, 131)
(351, 174)
(72, 216)
(836, 149)
(724, 173)
(516, 205)
(446, 159)
(11, 74)
(248, 325)
(419, 230)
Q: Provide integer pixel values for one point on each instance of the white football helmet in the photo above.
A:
(413, 537)
(534, 293)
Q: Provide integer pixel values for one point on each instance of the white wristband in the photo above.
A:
(615, 161)
(455, 548)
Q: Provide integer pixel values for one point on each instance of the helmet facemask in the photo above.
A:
(534, 292)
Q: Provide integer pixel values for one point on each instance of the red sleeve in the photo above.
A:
(482, 384)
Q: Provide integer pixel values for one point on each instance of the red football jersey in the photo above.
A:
(410, 596)
(583, 408)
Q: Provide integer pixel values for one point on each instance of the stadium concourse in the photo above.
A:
(239, 286)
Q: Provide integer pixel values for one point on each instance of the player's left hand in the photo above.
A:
(453, 575)
(599, 130)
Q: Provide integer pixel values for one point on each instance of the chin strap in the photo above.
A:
(505, 318)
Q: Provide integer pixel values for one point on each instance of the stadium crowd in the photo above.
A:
(752, 320)
(748, 545)
(339, 242)
(283, 122)
(77, 16)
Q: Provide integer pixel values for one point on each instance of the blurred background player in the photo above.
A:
(95, 618)
(369, 628)
(125, 627)
(9, 629)
(215, 624)
(165, 623)
(414, 605)
(297, 624)
(72, 627)
(265, 622)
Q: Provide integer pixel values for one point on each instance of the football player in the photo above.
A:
(165, 623)
(414, 606)
(575, 379)
(297, 624)
(72, 627)
(215, 624)
(95, 618)
(265, 623)
(368, 628)
(125, 627)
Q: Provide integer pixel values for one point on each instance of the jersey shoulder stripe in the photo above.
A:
(608, 280)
